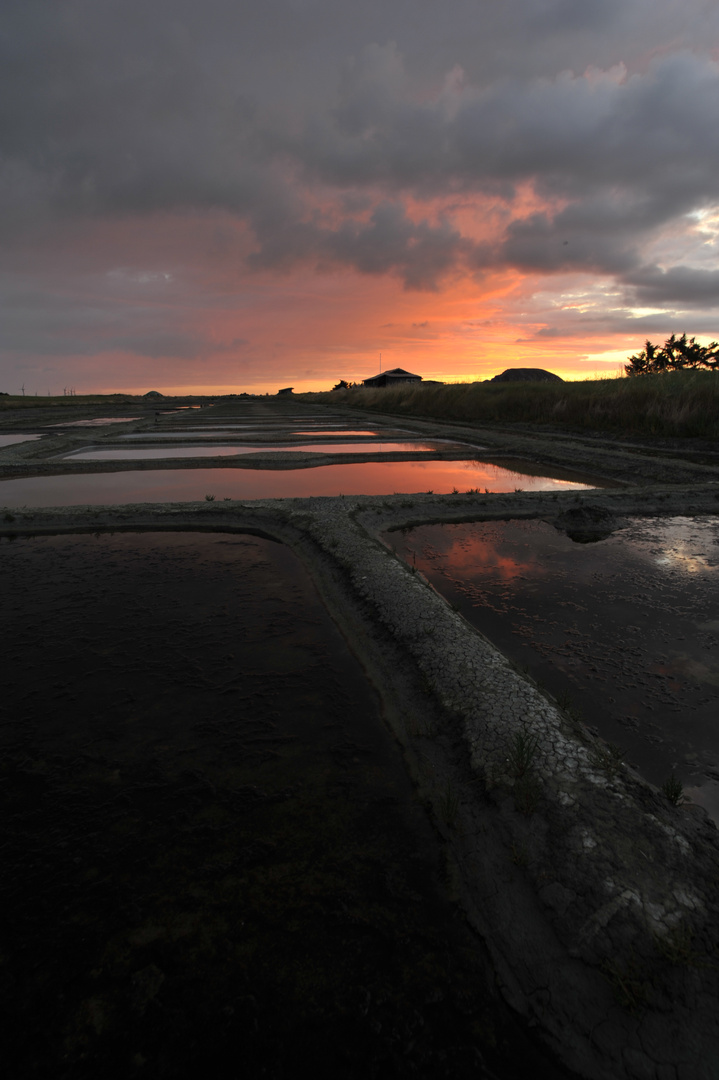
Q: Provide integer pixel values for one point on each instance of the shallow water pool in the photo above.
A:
(190, 485)
(624, 631)
(99, 422)
(233, 429)
(12, 440)
(141, 453)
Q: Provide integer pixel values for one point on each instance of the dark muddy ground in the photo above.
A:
(624, 631)
(214, 863)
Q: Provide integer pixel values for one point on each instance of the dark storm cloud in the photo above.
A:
(315, 121)
(389, 241)
(49, 323)
(679, 286)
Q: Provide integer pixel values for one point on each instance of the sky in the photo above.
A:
(220, 196)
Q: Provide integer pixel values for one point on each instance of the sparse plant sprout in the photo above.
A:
(427, 684)
(609, 756)
(527, 793)
(518, 490)
(455, 491)
(449, 803)
(521, 753)
(430, 492)
(519, 854)
(674, 790)
(676, 946)
(564, 700)
(209, 498)
(630, 989)
(227, 498)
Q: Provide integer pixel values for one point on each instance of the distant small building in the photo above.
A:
(286, 390)
(153, 393)
(526, 374)
(392, 377)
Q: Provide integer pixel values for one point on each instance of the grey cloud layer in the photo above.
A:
(305, 119)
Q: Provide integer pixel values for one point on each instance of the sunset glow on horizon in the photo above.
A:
(226, 198)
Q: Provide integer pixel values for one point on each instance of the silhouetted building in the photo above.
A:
(286, 390)
(390, 378)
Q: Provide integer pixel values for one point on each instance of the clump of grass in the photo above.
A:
(609, 756)
(520, 856)
(449, 803)
(209, 498)
(629, 986)
(521, 753)
(564, 700)
(674, 790)
(527, 793)
(427, 685)
(8, 517)
(676, 946)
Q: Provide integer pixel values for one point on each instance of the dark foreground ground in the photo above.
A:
(213, 859)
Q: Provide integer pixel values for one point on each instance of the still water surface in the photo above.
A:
(215, 432)
(11, 440)
(131, 453)
(625, 631)
(189, 485)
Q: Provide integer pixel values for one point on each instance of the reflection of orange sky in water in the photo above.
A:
(473, 554)
(372, 478)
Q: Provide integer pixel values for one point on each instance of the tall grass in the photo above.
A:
(66, 401)
(680, 403)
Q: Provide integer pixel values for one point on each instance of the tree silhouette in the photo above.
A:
(677, 353)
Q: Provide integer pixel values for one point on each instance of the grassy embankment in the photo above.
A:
(682, 404)
(66, 401)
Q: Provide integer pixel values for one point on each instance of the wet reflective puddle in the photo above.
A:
(211, 848)
(233, 429)
(624, 631)
(190, 485)
(99, 421)
(139, 453)
(12, 440)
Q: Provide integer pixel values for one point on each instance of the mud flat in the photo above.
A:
(211, 848)
(597, 899)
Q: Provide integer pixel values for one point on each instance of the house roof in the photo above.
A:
(396, 371)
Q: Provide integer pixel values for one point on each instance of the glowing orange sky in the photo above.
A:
(306, 328)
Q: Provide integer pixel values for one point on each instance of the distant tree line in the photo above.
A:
(342, 385)
(677, 353)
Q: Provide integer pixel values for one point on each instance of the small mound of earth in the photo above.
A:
(587, 524)
(526, 374)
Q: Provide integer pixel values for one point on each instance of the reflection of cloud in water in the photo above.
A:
(471, 554)
(625, 629)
